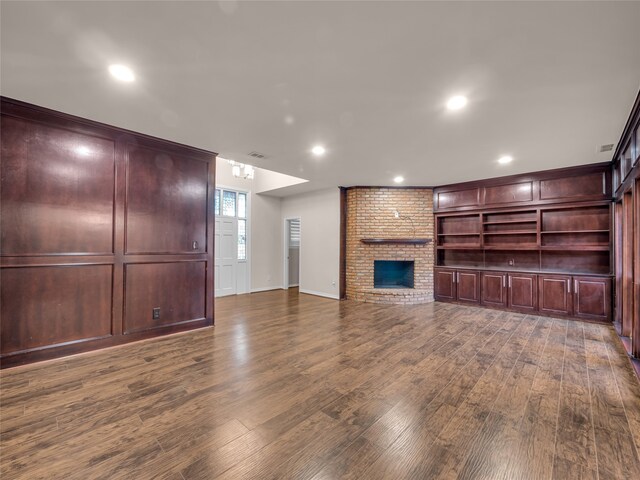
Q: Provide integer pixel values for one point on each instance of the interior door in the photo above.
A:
(226, 245)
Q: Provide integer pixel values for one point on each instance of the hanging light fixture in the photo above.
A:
(241, 170)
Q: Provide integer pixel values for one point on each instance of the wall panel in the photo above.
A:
(42, 306)
(176, 289)
(72, 193)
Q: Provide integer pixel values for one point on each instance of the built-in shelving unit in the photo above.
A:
(539, 243)
(548, 237)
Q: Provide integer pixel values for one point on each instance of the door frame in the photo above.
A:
(285, 257)
(248, 261)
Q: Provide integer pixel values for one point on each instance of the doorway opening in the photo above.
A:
(292, 236)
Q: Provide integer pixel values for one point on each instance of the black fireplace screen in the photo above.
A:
(393, 273)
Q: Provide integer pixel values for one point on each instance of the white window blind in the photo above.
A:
(294, 233)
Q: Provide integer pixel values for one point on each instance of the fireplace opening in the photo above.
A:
(393, 273)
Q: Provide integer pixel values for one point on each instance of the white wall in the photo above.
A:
(266, 243)
(319, 214)
(265, 252)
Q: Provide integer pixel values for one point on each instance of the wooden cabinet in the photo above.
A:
(578, 296)
(468, 285)
(445, 284)
(555, 294)
(106, 235)
(592, 298)
(457, 286)
(522, 292)
(494, 289)
(516, 291)
(573, 184)
(535, 239)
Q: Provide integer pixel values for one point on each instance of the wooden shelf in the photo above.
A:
(500, 222)
(458, 234)
(513, 232)
(395, 241)
(516, 246)
(576, 248)
(459, 247)
(575, 231)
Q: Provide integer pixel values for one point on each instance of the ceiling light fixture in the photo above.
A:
(503, 160)
(318, 150)
(122, 73)
(399, 179)
(241, 170)
(457, 102)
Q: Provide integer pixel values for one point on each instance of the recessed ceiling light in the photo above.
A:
(318, 150)
(505, 159)
(122, 73)
(457, 102)
(399, 179)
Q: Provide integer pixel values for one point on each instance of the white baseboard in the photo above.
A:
(320, 294)
(294, 285)
(266, 289)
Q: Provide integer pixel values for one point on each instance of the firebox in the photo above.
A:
(393, 273)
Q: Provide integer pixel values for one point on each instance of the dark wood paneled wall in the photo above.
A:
(626, 186)
(99, 227)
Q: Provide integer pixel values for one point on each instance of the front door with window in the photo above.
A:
(230, 242)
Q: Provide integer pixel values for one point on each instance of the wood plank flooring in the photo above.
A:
(296, 386)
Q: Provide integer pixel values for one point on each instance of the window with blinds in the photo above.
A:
(294, 233)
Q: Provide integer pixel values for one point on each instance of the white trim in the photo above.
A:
(266, 289)
(294, 285)
(321, 294)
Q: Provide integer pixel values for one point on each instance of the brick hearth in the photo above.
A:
(370, 214)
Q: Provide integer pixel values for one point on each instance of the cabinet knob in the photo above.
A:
(194, 246)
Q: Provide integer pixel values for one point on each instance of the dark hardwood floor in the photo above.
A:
(289, 386)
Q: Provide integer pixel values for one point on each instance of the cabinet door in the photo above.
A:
(523, 292)
(494, 292)
(444, 284)
(592, 297)
(555, 294)
(468, 286)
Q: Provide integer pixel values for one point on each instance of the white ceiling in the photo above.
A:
(547, 82)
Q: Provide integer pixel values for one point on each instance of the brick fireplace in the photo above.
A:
(387, 232)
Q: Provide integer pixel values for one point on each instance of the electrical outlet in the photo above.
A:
(156, 313)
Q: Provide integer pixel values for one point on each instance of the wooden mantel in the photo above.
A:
(382, 241)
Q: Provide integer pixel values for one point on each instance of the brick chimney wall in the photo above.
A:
(370, 214)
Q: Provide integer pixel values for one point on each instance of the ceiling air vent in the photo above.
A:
(607, 147)
(257, 155)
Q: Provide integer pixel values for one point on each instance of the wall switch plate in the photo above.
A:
(156, 313)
